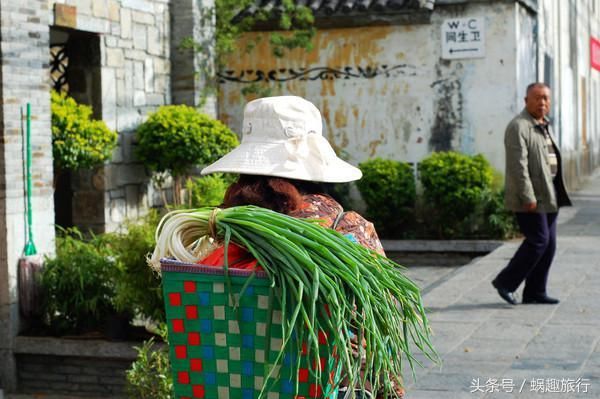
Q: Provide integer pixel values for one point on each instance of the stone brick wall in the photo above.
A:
(135, 80)
(193, 18)
(23, 78)
(139, 41)
(81, 376)
(77, 368)
(135, 49)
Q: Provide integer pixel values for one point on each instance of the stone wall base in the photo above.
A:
(68, 375)
(90, 369)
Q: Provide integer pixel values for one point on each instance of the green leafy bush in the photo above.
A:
(138, 290)
(78, 284)
(107, 275)
(497, 221)
(150, 374)
(388, 188)
(78, 141)
(454, 188)
(177, 137)
(206, 190)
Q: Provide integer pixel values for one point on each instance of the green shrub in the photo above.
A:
(78, 141)
(206, 190)
(497, 221)
(78, 284)
(454, 188)
(177, 137)
(150, 374)
(108, 274)
(139, 290)
(388, 189)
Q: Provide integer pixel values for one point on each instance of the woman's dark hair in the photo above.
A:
(276, 193)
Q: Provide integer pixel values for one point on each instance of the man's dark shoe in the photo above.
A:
(505, 294)
(541, 299)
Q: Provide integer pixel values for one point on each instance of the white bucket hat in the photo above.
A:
(282, 136)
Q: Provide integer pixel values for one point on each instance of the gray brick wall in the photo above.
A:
(23, 78)
(81, 376)
(135, 72)
(195, 19)
(74, 367)
(137, 80)
(138, 44)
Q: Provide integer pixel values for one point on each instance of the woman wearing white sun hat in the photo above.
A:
(283, 161)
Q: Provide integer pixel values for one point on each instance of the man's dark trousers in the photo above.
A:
(532, 260)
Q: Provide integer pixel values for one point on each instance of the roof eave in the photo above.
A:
(379, 19)
(358, 19)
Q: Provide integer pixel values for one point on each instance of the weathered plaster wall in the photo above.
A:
(527, 36)
(488, 84)
(384, 91)
(564, 62)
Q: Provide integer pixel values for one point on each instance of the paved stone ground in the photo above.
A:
(428, 277)
(530, 350)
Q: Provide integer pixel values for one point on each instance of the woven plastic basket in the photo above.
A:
(218, 351)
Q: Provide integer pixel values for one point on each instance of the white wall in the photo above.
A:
(426, 103)
(526, 65)
(430, 103)
(566, 39)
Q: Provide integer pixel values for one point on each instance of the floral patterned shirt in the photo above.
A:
(350, 224)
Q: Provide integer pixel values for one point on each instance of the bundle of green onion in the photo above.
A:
(309, 266)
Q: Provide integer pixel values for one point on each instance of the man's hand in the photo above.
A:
(530, 207)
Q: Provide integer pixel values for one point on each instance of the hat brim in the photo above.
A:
(270, 159)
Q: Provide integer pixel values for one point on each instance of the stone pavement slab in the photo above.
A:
(490, 349)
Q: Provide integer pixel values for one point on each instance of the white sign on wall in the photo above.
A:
(463, 38)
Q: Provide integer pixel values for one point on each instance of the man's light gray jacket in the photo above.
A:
(528, 176)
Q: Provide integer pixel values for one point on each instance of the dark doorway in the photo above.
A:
(75, 69)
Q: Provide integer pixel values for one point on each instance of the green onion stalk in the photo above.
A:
(367, 295)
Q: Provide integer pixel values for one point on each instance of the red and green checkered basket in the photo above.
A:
(221, 352)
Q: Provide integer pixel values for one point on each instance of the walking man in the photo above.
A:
(534, 191)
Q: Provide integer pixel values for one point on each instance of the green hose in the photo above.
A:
(29, 246)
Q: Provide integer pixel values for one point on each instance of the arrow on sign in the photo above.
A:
(460, 50)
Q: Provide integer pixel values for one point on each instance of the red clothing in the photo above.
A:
(237, 257)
